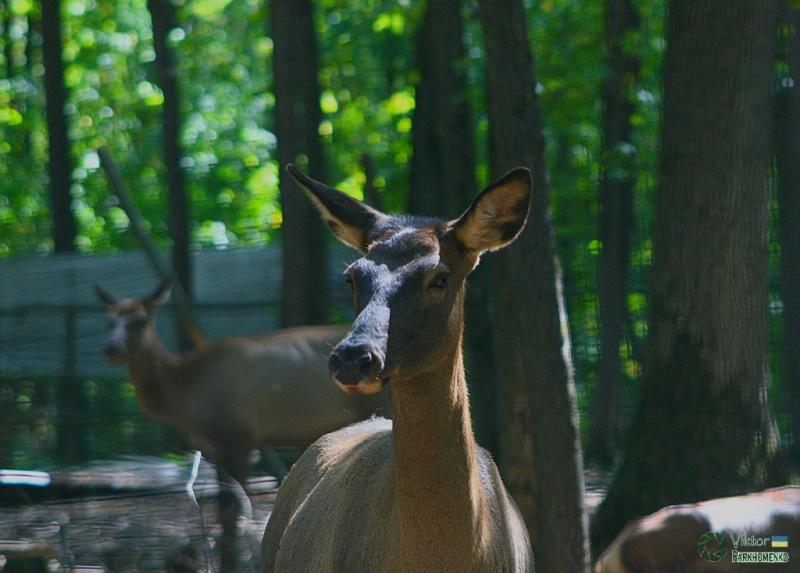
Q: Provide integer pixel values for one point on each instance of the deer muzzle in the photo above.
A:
(356, 368)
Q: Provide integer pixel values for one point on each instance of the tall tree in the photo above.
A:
(787, 133)
(443, 176)
(424, 195)
(443, 162)
(616, 218)
(297, 119)
(702, 427)
(534, 369)
(59, 165)
(72, 443)
(162, 14)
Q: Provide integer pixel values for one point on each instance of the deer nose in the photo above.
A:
(114, 352)
(351, 364)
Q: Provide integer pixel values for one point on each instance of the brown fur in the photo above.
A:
(417, 495)
(239, 393)
(421, 496)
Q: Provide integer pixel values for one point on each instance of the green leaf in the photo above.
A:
(400, 102)
(208, 9)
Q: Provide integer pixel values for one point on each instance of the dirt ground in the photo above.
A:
(145, 520)
(149, 523)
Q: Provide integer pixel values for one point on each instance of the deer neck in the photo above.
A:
(153, 371)
(437, 488)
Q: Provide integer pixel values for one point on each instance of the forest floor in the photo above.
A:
(143, 521)
(141, 518)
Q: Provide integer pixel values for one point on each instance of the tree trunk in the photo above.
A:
(59, 165)
(70, 393)
(616, 220)
(534, 369)
(297, 118)
(424, 197)
(443, 179)
(162, 13)
(479, 360)
(443, 164)
(787, 135)
(702, 428)
(371, 195)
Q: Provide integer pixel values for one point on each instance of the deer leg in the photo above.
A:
(231, 474)
(275, 464)
(228, 517)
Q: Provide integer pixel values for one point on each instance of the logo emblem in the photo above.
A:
(708, 554)
(780, 541)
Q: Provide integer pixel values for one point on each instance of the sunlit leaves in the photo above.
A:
(149, 93)
(390, 21)
(21, 7)
(207, 9)
(9, 116)
(400, 102)
(366, 48)
(328, 102)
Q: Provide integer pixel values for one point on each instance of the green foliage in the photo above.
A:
(115, 101)
(367, 85)
(225, 64)
(566, 37)
(366, 79)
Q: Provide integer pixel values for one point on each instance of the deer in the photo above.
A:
(233, 394)
(672, 538)
(417, 493)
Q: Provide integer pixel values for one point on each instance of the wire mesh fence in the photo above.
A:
(45, 344)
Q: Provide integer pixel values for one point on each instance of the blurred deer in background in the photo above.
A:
(233, 394)
(419, 496)
(668, 539)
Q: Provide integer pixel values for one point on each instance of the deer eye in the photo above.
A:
(440, 281)
(348, 278)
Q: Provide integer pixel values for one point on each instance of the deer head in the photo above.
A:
(129, 319)
(408, 287)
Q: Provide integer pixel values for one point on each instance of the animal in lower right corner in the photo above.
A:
(754, 533)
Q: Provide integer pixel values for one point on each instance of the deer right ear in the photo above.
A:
(498, 215)
(105, 297)
(351, 221)
(160, 295)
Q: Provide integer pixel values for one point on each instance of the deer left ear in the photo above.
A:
(351, 221)
(498, 214)
(105, 297)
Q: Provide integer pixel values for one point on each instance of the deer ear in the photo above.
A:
(105, 297)
(160, 295)
(498, 214)
(351, 221)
